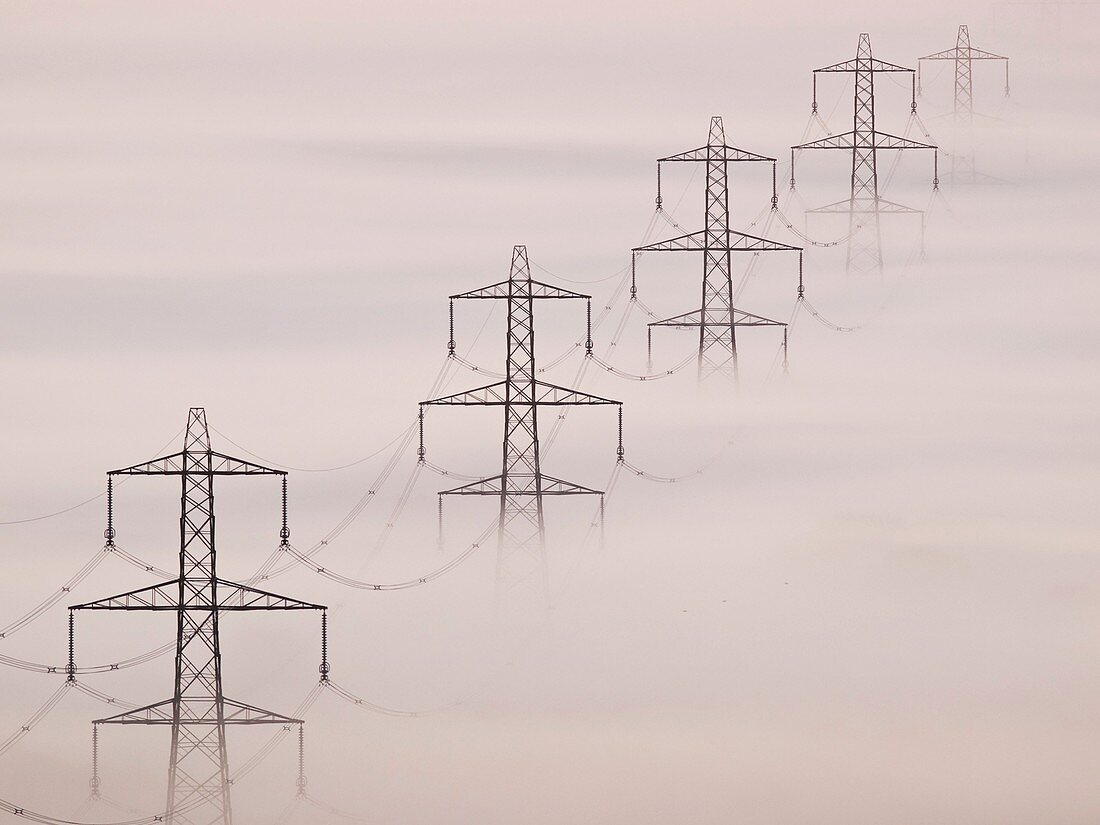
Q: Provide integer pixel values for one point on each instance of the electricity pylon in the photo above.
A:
(717, 318)
(864, 205)
(521, 484)
(198, 712)
(963, 56)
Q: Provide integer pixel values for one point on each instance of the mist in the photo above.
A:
(872, 593)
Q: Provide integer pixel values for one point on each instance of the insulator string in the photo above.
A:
(619, 452)
(109, 533)
(284, 532)
(70, 668)
(301, 759)
(420, 452)
(324, 667)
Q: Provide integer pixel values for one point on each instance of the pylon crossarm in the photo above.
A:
(883, 140)
(230, 596)
(220, 464)
(735, 242)
(947, 54)
(870, 207)
(491, 486)
(886, 207)
(233, 596)
(694, 320)
(955, 53)
(724, 153)
(843, 66)
(157, 713)
(557, 487)
(492, 394)
(163, 596)
(537, 288)
(982, 54)
(553, 395)
(684, 320)
(853, 65)
(882, 66)
(199, 713)
(845, 140)
(238, 713)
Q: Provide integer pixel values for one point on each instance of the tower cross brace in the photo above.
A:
(521, 484)
(198, 712)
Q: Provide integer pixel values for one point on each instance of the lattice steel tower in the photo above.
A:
(198, 712)
(963, 56)
(865, 205)
(717, 319)
(521, 484)
(962, 166)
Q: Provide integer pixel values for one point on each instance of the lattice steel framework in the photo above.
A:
(198, 712)
(962, 166)
(864, 205)
(963, 56)
(521, 484)
(717, 319)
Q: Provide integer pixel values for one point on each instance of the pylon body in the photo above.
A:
(717, 318)
(198, 712)
(963, 168)
(521, 485)
(865, 204)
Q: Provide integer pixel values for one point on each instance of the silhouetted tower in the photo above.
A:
(198, 712)
(717, 318)
(963, 55)
(962, 167)
(521, 484)
(864, 205)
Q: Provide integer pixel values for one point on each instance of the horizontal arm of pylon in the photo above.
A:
(865, 206)
(884, 140)
(845, 140)
(695, 319)
(553, 395)
(725, 153)
(538, 290)
(982, 54)
(165, 596)
(955, 53)
(853, 65)
(491, 394)
(493, 487)
(557, 487)
(199, 712)
(886, 207)
(233, 596)
(735, 242)
(220, 464)
(947, 54)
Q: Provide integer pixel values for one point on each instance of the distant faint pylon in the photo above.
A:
(962, 166)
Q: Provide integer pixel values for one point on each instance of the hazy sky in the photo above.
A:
(878, 602)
